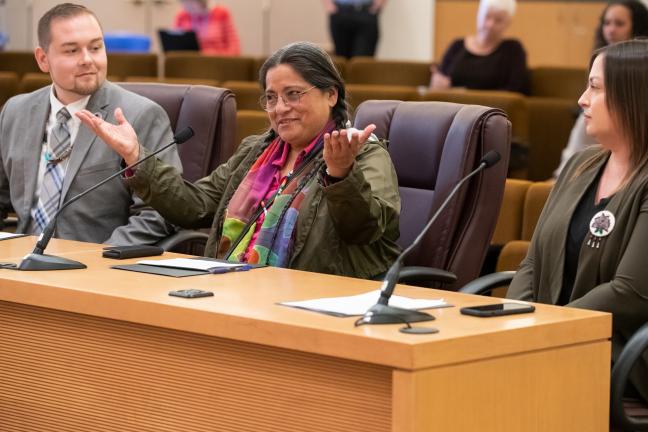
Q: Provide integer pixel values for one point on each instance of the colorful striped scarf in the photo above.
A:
(274, 242)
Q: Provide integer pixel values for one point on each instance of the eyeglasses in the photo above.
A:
(291, 98)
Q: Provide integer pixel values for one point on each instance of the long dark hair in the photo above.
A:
(639, 15)
(316, 67)
(625, 80)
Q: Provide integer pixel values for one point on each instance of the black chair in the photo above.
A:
(433, 145)
(628, 414)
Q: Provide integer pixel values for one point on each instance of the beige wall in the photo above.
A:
(264, 25)
(553, 33)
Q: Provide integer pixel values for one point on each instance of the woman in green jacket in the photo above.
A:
(589, 247)
(307, 195)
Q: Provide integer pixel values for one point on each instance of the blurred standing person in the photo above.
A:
(620, 21)
(485, 60)
(354, 26)
(214, 28)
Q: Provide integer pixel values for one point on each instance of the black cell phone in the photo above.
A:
(134, 251)
(191, 293)
(497, 309)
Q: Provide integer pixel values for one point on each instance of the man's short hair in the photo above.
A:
(63, 10)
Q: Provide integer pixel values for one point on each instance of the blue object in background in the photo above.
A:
(4, 39)
(127, 42)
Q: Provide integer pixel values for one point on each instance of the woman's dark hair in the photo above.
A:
(639, 15)
(316, 67)
(625, 80)
(626, 93)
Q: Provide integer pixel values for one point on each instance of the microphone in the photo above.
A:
(37, 260)
(381, 312)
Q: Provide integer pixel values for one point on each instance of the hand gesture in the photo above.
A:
(120, 137)
(439, 81)
(340, 149)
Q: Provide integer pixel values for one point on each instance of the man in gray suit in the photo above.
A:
(47, 156)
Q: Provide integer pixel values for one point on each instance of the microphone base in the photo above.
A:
(37, 262)
(385, 314)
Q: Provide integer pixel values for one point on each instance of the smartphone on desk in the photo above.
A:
(191, 293)
(497, 309)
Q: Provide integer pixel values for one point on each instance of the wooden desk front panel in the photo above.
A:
(558, 390)
(63, 371)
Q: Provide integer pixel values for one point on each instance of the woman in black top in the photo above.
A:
(589, 247)
(485, 60)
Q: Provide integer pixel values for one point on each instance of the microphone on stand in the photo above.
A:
(381, 312)
(37, 260)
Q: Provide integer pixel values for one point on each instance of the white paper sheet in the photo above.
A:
(8, 235)
(189, 264)
(358, 304)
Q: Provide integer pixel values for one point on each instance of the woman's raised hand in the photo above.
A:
(120, 137)
(341, 149)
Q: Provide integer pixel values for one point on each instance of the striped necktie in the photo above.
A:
(50, 189)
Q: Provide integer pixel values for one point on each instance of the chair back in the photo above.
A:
(534, 202)
(211, 113)
(509, 223)
(125, 64)
(513, 104)
(551, 121)
(250, 122)
(558, 82)
(182, 64)
(8, 86)
(433, 145)
(20, 62)
(247, 94)
(365, 70)
(358, 93)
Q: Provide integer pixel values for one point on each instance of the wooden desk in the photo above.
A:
(107, 350)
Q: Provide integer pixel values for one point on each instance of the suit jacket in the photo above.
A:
(611, 278)
(110, 214)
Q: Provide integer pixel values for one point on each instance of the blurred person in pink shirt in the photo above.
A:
(214, 28)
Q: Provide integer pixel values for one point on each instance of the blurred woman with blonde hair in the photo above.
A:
(485, 60)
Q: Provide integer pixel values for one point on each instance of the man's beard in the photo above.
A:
(88, 88)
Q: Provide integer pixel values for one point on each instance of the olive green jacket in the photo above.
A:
(612, 278)
(347, 228)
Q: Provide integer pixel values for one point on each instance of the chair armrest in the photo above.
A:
(180, 237)
(487, 283)
(412, 274)
(635, 347)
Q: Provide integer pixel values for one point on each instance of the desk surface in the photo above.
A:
(244, 307)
